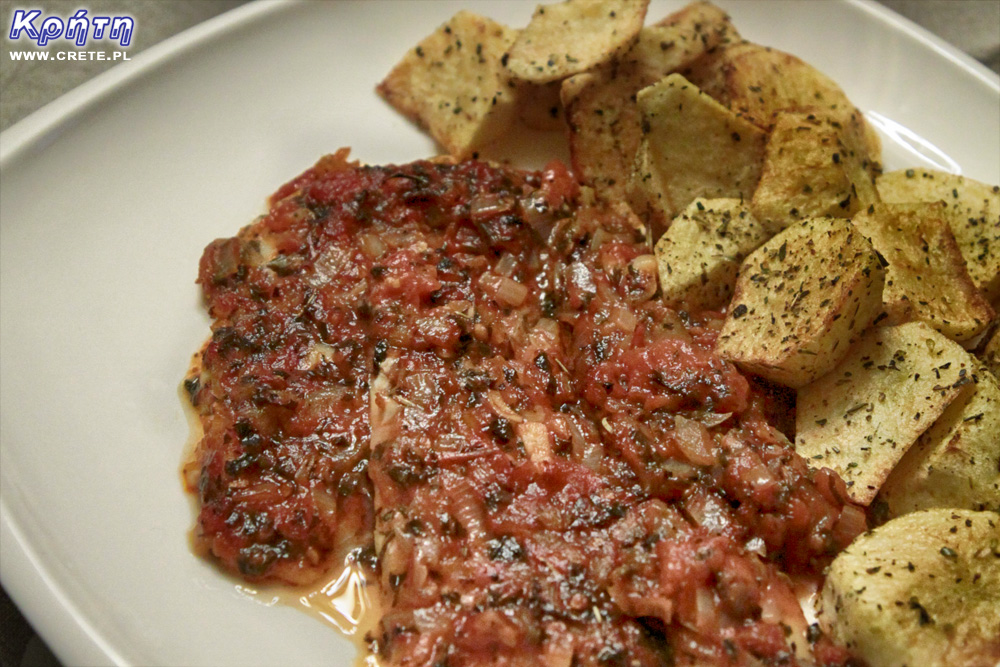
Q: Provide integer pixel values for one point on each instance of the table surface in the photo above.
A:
(971, 25)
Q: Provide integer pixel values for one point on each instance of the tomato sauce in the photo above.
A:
(461, 378)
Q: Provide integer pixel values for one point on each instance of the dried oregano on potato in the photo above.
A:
(757, 81)
(604, 127)
(801, 299)
(808, 172)
(956, 462)
(677, 40)
(700, 254)
(972, 210)
(454, 85)
(694, 147)
(991, 353)
(926, 278)
(921, 590)
(574, 36)
(861, 418)
(601, 112)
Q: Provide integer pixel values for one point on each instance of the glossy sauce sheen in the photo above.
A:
(461, 379)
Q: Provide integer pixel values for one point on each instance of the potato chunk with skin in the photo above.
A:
(801, 300)
(756, 81)
(956, 462)
(694, 147)
(454, 85)
(973, 211)
(604, 126)
(574, 36)
(809, 172)
(678, 39)
(922, 590)
(600, 106)
(991, 353)
(700, 254)
(863, 416)
(926, 278)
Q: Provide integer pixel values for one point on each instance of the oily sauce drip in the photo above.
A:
(343, 601)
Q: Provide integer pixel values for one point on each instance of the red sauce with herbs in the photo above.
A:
(461, 377)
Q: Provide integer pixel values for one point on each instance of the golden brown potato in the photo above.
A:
(574, 36)
(756, 81)
(454, 85)
(926, 278)
(991, 353)
(700, 254)
(863, 416)
(922, 590)
(680, 38)
(973, 211)
(801, 299)
(601, 112)
(604, 127)
(809, 172)
(694, 147)
(956, 462)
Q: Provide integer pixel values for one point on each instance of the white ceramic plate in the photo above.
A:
(109, 196)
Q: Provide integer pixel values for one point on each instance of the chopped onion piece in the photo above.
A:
(501, 407)
(709, 512)
(713, 419)
(373, 246)
(506, 265)
(706, 614)
(466, 508)
(756, 545)
(535, 436)
(694, 441)
(679, 470)
(550, 327)
(645, 272)
(487, 205)
(624, 319)
(506, 291)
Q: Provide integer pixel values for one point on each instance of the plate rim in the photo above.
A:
(918, 33)
(25, 577)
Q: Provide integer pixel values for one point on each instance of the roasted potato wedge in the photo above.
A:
(756, 81)
(454, 85)
(863, 416)
(973, 211)
(809, 172)
(956, 462)
(801, 299)
(605, 127)
(700, 254)
(923, 589)
(574, 36)
(926, 277)
(695, 147)
(600, 106)
(676, 41)
(991, 353)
